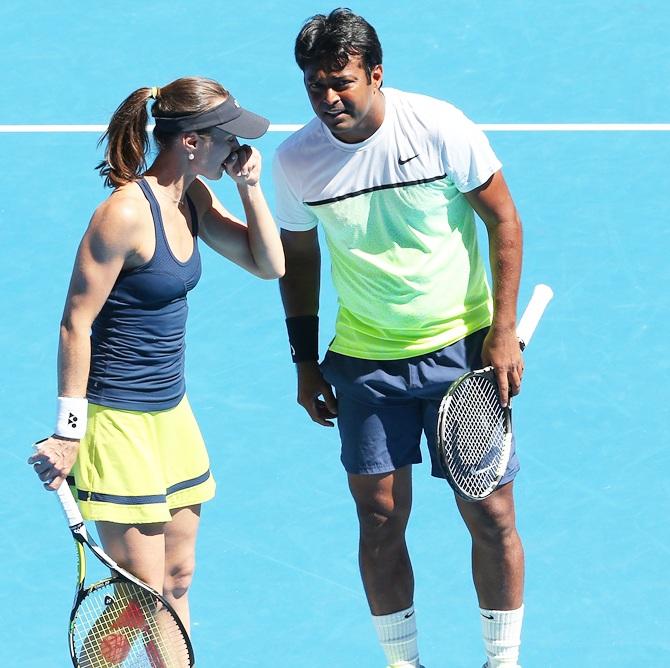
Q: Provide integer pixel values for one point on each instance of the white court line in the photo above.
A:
(575, 127)
(102, 128)
(487, 127)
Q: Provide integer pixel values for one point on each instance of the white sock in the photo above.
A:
(397, 636)
(501, 630)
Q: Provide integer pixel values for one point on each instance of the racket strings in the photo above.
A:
(473, 434)
(122, 625)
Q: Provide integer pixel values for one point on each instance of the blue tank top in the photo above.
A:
(138, 338)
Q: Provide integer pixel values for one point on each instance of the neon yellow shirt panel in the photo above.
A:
(407, 270)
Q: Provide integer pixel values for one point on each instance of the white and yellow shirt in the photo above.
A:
(401, 234)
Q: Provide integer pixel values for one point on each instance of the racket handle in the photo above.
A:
(542, 295)
(70, 507)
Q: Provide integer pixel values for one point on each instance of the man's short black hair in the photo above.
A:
(330, 41)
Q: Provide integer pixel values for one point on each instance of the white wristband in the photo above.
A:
(71, 417)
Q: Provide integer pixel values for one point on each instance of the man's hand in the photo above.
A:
(53, 459)
(311, 386)
(501, 351)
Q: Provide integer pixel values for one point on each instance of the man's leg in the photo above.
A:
(383, 504)
(498, 572)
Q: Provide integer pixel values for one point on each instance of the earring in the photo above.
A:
(191, 156)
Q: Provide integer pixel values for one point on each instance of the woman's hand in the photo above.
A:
(243, 165)
(53, 459)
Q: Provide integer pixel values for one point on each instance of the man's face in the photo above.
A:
(346, 102)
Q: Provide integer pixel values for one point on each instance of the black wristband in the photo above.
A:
(303, 335)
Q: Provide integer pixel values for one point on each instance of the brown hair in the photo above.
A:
(126, 136)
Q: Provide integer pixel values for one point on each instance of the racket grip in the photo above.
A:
(69, 505)
(542, 295)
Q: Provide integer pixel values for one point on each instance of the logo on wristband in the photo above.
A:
(72, 420)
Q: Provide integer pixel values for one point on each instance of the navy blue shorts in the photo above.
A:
(384, 406)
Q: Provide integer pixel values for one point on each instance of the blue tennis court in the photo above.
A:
(277, 581)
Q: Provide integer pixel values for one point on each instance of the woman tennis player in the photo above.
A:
(125, 432)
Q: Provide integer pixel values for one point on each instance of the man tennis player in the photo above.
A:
(395, 178)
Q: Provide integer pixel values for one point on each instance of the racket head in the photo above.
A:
(118, 622)
(474, 435)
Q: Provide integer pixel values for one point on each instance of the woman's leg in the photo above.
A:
(139, 548)
(160, 554)
(180, 539)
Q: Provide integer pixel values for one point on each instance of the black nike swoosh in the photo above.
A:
(487, 616)
(409, 614)
(402, 162)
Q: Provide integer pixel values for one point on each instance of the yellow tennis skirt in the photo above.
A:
(134, 467)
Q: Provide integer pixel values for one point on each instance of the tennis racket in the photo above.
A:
(119, 621)
(474, 432)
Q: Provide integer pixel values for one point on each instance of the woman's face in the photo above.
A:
(219, 146)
